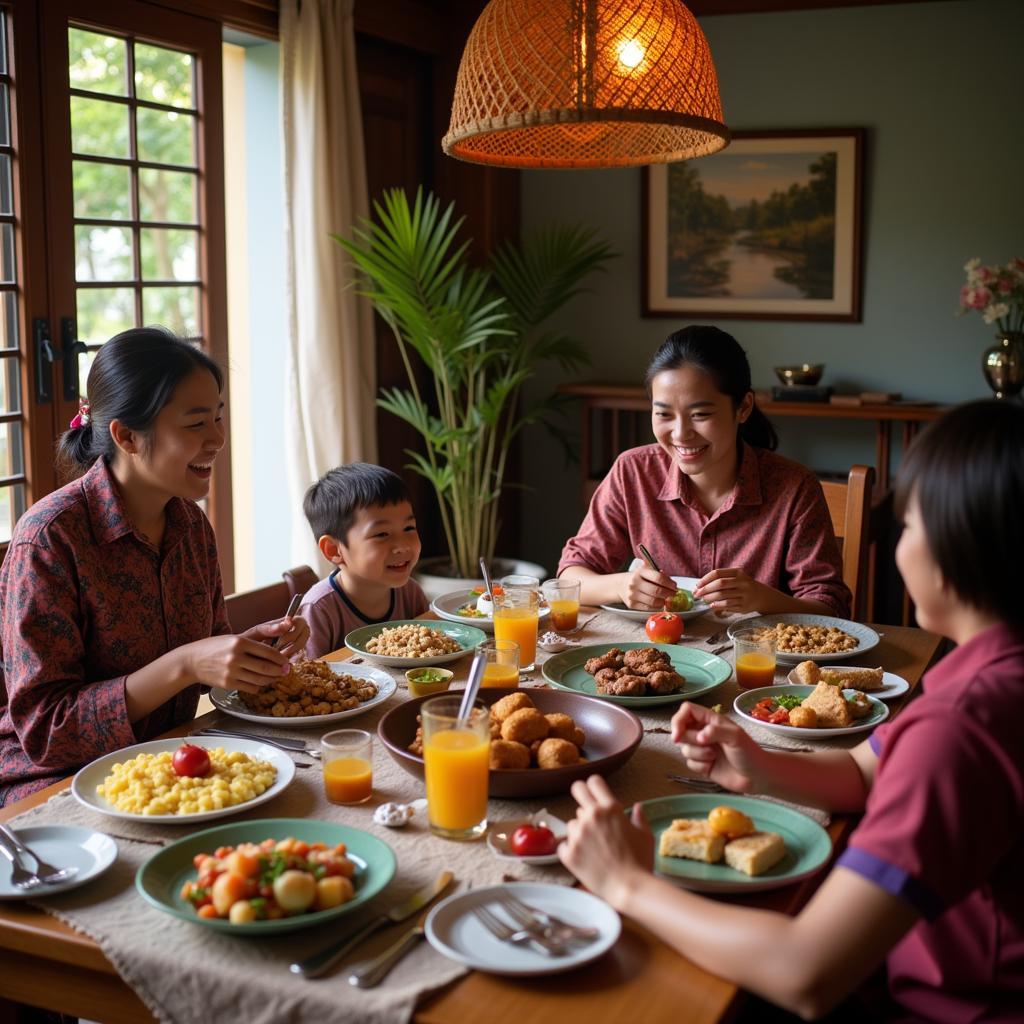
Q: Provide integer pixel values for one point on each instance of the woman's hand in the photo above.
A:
(234, 662)
(603, 849)
(732, 590)
(293, 632)
(716, 747)
(646, 588)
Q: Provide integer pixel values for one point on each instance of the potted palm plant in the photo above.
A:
(480, 332)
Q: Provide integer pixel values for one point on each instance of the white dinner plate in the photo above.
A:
(499, 837)
(748, 698)
(231, 704)
(893, 686)
(447, 607)
(63, 846)
(84, 784)
(454, 930)
(639, 615)
(865, 636)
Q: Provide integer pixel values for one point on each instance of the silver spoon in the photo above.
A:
(44, 872)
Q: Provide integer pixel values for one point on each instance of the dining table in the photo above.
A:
(48, 963)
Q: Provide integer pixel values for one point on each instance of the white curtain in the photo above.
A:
(331, 368)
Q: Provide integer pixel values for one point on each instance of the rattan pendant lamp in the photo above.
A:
(585, 83)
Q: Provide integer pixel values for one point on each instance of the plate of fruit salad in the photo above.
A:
(473, 607)
(684, 604)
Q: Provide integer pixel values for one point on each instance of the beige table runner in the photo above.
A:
(184, 972)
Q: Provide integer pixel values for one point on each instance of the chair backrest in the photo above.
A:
(849, 504)
(248, 608)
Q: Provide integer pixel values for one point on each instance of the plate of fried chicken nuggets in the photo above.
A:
(637, 674)
(313, 693)
(733, 843)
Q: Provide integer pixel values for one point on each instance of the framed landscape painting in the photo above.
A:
(767, 229)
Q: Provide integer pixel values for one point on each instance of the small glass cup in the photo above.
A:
(347, 758)
(563, 598)
(501, 665)
(754, 658)
(516, 615)
(456, 761)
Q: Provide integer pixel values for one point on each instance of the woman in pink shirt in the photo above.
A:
(111, 606)
(931, 880)
(710, 499)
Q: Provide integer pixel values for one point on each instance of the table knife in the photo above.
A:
(372, 972)
(275, 741)
(319, 963)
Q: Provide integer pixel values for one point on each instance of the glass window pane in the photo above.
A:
(99, 127)
(5, 116)
(174, 308)
(163, 76)
(10, 386)
(12, 506)
(9, 320)
(103, 253)
(104, 312)
(166, 137)
(102, 191)
(169, 254)
(6, 200)
(8, 270)
(85, 361)
(168, 196)
(3, 42)
(97, 62)
(11, 462)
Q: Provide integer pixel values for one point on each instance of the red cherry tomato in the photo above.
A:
(780, 717)
(191, 760)
(664, 628)
(533, 841)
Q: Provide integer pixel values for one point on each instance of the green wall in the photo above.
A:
(938, 87)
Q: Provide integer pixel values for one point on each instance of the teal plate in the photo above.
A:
(160, 879)
(702, 672)
(467, 637)
(808, 846)
(745, 702)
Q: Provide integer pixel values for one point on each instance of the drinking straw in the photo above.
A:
(476, 675)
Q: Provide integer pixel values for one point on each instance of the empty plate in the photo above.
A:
(63, 846)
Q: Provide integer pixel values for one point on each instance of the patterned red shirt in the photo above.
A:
(84, 601)
(775, 525)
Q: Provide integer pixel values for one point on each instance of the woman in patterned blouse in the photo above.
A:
(111, 604)
(710, 499)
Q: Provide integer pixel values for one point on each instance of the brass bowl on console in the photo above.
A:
(800, 373)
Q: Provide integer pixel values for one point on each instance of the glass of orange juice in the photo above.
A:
(563, 598)
(456, 756)
(347, 757)
(501, 667)
(755, 658)
(516, 612)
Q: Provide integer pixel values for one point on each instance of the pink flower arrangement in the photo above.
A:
(995, 292)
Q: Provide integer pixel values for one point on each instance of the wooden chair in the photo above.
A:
(251, 607)
(849, 504)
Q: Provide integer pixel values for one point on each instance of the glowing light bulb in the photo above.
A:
(630, 53)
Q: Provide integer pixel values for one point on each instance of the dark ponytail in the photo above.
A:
(719, 355)
(132, 378)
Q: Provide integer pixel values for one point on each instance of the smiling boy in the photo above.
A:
(363, 522)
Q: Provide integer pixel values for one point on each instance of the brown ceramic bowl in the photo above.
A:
(613, 734)
(801, 373)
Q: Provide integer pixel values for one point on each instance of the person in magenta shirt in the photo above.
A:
(111, 603)
(930, 882)
(709, 499)
(364, 524)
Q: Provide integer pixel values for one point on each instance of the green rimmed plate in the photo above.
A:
(702, 672)
(808, 846)
(467, 637)
(745, 702)
(160, 879)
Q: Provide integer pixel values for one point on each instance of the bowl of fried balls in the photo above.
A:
(541, 740)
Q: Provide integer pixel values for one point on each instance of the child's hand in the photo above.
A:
(291, 632)
(733, 591)
(603, 849)
(718, 748)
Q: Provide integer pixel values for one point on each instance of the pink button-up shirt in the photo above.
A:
(775, 525)
(85, 601)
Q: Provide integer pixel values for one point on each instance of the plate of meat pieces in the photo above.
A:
(637, 674)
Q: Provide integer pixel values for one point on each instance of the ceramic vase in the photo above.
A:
(1003, 364)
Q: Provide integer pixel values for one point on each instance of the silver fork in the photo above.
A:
(553, 927)
(516, 936)
(20, 878)
(707, 785)
(44, 872)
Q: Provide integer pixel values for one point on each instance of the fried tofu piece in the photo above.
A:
(756, 853)
(501, 709)
(859, 704)
(807, 673)
(506, 755)
(556, 753)
(829, 704)
(692, 838)
(524, 726)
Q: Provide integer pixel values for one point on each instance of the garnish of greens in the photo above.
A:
(788, 701)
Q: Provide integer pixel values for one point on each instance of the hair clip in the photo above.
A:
(82, 417)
